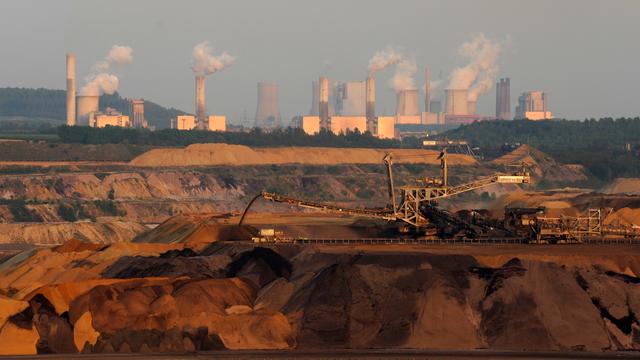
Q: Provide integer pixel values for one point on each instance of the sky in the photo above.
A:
(585, 54)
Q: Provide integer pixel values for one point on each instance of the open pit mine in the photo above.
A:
(223, 248)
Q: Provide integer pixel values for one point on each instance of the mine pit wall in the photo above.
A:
(328, 298)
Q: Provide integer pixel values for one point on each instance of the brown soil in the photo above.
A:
(224, 154)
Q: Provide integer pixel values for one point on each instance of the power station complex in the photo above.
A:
(84, 109)
(336, 106)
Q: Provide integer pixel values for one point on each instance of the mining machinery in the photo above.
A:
(416, 206)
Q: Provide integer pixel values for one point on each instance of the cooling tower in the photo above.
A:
(268, 111)
(136, 112)
(427, 90)
(456, 101)
(87, 104)
(201, 108)
(407, 103)
(370, 96)
(472, 107)
(71, 89)
(323, 103)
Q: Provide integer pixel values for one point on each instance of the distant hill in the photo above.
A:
(50, 104)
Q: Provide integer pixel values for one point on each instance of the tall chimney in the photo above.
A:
(427, 90)
(71, 89)
(506, 99)
(323, 106)
(371, 104)
(201, 110)
(498, 99)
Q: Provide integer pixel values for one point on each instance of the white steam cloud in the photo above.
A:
(205, 63)
(404, 77)
(383, 59)
(100, 80)
(480, 73)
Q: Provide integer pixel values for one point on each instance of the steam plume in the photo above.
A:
(403, 79)
(383, 59)
(205, 63)
(479, 74)
(100, 80)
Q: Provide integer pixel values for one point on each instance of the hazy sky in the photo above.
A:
(584, 53)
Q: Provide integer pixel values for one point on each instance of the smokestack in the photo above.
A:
(503, 99)
(407, 103)
(268, 111)
(87, 104)
(71, 89)
(506, 100)
(323, 105)
(371, 104)
(427, 90)
(201, 110)
(315, 98)
(456, 101)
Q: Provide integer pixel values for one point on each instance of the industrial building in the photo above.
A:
(533, 105)
(342, 124)
(183, 122)
(386, 127)
(217, 123)
(503, 99)
(110, 117)
(190, 122)
(268, 110)
(136, 112)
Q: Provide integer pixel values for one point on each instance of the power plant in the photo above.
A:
(532, 105)
(408, 107)
(268, 111)
(71, 89)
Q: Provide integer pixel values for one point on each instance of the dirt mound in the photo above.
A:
(196, 231)
(75, 245)
(542, 165)
(225, 154)
(60, 233)
(623, 186)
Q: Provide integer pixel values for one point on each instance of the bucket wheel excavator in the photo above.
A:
(412, 205)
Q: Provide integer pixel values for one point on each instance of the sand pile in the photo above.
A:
(225, 154)
(623, 186)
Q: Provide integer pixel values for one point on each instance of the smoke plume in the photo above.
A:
(383, 59)
(100, 80)
(403, 79)
(205, 63)
(480, 73)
